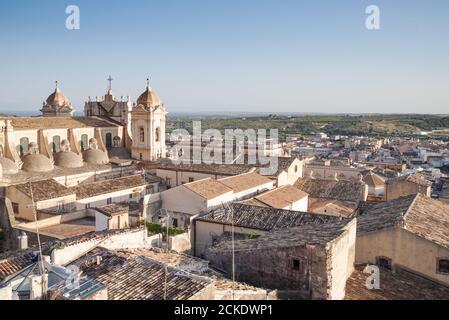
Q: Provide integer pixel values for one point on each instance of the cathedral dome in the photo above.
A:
(8, 166)
(36, 163)
(95, 156)
(68, 159)
(58, 99)
(149, 98)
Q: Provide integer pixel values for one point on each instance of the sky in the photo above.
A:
(230, 56)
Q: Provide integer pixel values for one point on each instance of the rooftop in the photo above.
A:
(113, 209)
(282, 197)
(139, 277)
(84, 191)
(415, 178)
(208, 188)
(418, 214)
(400, 285)
(245, 181)
(24, 123)
(331, 189)
(222, 169)
(373, 180)
(264, 218)
(44, 190)
(69, 229)
(311, 234)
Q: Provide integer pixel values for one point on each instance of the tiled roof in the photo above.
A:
(253, 202)
(415, 178)
(400, 285)
(10, 266)
(373, 180)
(331, 189)
(221, 169)
(44, 190)
(22, 123)
(264, 218)
(139, 278)
(423, 216)
(332, 207)
(282, 197)
(312, 234)
(208, 188)
(245, 181)
(113, 209)
(284, 163)
(84, 191)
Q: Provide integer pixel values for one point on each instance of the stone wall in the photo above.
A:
(273, 269)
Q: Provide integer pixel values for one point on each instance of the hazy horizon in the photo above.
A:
(265, 56)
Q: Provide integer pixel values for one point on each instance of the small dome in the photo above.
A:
(68, 159)
(58, 99)
(95, 156)
(36, 163)
(149, 98)
(8, 166)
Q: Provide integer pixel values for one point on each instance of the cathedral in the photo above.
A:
(110, 128)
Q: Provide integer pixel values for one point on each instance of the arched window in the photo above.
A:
(84, 142)
(23, 148)
(56, 144)
(158, 134)
(109, 140)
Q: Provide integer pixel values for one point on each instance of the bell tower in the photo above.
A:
(148, 127)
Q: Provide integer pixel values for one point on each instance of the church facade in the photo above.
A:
(109, 127)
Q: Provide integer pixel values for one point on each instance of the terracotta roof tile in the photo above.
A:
(245, 181)
(282, 197)
(208, 188)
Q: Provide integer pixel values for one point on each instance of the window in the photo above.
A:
(191, 179)
(23, 149)
(142, 134)
(56, 144)
(443, 265)
(15, 208)
(130, 196)
(84, 142)
(384, 262)
(87, 205)
(168, 181)
(175, 223)
(296, 169)
(297, 265)
(117, 141)
(158, 134)
(140, 156)
(109, 140)
(109, 201)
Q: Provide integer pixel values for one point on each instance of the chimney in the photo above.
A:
(99, 258)
(23, 241)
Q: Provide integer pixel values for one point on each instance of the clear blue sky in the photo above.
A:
(233, 55)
